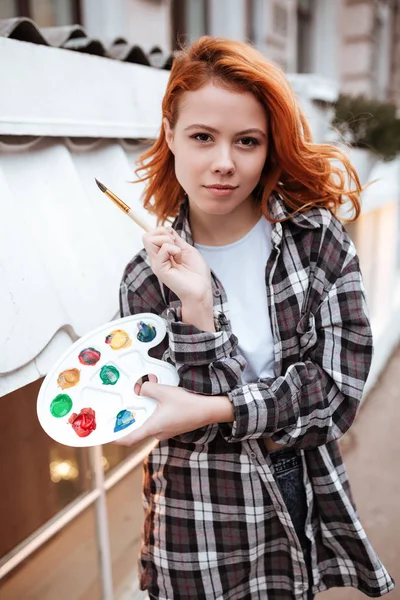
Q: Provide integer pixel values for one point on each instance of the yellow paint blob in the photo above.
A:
(118, 339)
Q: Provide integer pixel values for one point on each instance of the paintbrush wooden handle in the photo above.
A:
(139, 221)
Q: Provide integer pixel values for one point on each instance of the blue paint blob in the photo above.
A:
(147, 333)
(123, 420)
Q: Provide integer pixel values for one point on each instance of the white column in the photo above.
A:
(104, 19)
(291, 50)
(149, 23)
(383, 47)
(103, 537)
(228, 19)
(260, 24)
(326, 39)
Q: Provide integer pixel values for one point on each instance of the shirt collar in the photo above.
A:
(276, 208)
(181, 223)
(279, 212)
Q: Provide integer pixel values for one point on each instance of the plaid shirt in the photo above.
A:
(216, 525)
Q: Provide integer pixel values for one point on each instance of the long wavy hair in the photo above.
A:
(305, 174)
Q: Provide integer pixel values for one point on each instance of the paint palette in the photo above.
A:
(88, 398)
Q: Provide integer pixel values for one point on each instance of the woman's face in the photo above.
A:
(220, 146)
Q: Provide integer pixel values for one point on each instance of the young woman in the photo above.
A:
(246, 495)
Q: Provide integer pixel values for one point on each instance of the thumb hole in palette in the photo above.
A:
(138, 385)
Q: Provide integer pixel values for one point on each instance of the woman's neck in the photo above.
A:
(220, 230)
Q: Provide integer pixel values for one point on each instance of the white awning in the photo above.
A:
(63, 247)
(64, 244)
(56, 92)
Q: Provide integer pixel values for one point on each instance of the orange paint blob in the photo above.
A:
(69, 378)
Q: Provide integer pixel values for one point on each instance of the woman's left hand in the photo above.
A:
(178, 411)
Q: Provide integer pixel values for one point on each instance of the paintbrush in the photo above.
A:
(124, 207)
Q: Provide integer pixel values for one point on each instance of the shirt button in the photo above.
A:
(253, 455)
(222, 319)
(217, 293)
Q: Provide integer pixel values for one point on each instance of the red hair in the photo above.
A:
(303, 173)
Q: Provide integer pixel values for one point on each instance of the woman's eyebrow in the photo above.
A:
(213, 130)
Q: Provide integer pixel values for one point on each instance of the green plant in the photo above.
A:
(367, 123)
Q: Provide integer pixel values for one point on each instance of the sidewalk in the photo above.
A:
(371, 451)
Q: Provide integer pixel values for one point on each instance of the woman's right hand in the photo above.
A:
(178, 265)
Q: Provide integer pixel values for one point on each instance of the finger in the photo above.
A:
(134, 437)
(154, 243)
(167, 242)
(178, 240)
(168, 252)
(151, 389)
(138, 385)
(157, 232)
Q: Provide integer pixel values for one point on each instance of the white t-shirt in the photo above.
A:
(240, 267)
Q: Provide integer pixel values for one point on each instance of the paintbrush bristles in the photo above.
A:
(120, 203)
(124, 207)
(100, 185)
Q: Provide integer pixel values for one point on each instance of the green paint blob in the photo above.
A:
(61, 405)
(109, 375)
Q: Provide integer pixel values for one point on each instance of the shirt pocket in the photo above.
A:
(307, 333)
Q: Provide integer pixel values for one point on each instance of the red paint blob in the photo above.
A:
(84, 423)
(89, 356)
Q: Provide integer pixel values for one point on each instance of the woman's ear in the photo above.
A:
(169, 135)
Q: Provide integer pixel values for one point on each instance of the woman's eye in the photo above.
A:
(202, 137)
(249, 142)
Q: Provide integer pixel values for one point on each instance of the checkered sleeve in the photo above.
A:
(207, 363)
(315, 400)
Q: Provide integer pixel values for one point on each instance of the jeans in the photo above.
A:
(288, 473)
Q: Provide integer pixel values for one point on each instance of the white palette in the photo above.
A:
(97, 376)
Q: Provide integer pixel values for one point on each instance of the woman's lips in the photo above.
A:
(220, 191)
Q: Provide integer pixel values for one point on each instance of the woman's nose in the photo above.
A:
(223, 162)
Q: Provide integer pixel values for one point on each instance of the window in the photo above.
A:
(190, 20)
(45, 13)
(304, 35)
(36, 467)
